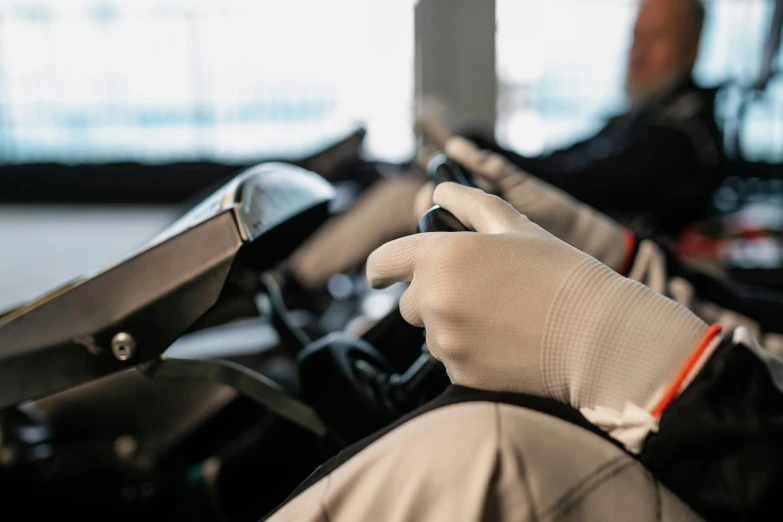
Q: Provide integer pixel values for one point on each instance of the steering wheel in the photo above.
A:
(441, 168)
(352, 386)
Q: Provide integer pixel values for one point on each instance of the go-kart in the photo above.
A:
(177, 384)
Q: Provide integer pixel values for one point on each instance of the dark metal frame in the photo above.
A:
(153, 297)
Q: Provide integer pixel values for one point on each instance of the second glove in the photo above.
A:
(572, 221)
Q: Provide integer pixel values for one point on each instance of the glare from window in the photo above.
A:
(560, 64)
(225, 80)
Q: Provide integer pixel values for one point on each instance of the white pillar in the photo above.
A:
(455, 59)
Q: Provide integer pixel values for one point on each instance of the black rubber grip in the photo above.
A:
(441, 168)
(439, 219)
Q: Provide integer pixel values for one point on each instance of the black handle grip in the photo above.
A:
(440, 168)
(439, 219)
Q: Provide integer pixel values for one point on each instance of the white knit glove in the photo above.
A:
(572, 221)
(512, 308)
(383, 213)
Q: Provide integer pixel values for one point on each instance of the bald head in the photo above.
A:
(665, 46)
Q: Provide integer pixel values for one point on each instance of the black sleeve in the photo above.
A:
(656, 173)
(719, 446)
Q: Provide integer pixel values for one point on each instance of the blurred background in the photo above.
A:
(115, 114)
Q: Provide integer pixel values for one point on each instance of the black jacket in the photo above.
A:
(654, 169)
(719, 446)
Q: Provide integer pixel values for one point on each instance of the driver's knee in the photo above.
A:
(434, 467)
(486, 461)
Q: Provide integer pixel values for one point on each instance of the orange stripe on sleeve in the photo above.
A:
(630, 245)
(674, 387)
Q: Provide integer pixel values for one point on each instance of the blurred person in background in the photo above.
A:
(656, 166)
(653, 168)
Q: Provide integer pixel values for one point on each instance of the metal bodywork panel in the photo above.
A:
(155, 295)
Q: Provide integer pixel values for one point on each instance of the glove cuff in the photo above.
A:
(609, 340)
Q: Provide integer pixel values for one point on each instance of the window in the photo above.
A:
(94, 81)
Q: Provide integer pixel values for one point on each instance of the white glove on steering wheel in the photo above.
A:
(572, 221)
(512, 308)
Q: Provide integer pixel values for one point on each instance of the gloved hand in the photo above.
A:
(572, 221)
(430, 123)
(383, 213)
(512, 308)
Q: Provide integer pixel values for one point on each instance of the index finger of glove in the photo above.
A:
(395, 261)
(478, 210)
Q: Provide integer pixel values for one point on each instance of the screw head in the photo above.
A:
(123, 346)
(125, 446)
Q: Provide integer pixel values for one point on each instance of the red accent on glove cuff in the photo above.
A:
(687, 368)
(630, 245)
